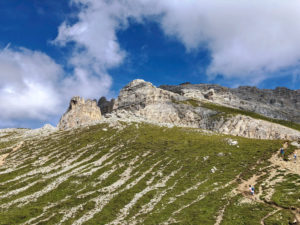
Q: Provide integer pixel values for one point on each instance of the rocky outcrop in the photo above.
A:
(145, 100)
(138, 94)
(142, 101)
(280, 103)
(162, 106)
(106, 106)
(80, 112)
(246, 126)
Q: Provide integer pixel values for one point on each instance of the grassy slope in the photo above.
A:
(287, 193)
(150, 169)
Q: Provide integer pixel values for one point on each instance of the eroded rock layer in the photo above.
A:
(280, 103)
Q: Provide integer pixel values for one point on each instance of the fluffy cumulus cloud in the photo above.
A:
(34, 89)
(248, 40)
(28, 86)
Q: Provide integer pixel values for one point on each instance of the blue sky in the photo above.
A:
(52, 50)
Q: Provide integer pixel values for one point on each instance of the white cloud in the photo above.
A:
(247, 39)
(34, 88)
(28, 86)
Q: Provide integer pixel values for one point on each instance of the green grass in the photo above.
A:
(169, 149)
(281, 217)
(287, 193)
(245, 213)
(288, 152)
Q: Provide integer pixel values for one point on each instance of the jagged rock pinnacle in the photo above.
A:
(80, 112)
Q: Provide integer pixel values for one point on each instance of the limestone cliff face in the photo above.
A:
(106, 106)
(140, 100)
(155, 104)
(138, 94)
(246, 126)
(280, 103)
(80, 112)
(145, 100)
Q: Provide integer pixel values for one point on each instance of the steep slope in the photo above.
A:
(280, 103)
(122, 173)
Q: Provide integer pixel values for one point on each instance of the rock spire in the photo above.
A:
(80, 112)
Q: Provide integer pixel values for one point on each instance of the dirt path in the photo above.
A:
(290, 166)
(4, 156)
(244, 187)
(262, 221)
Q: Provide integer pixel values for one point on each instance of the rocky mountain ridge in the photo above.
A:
(184, 105)
(280, 103)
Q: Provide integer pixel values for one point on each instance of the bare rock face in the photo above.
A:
(139, 93)
(181, 106)
(162, 106)
(246, 126)
(106, 106)
(80, 112)
(279, 103)
(145, 100)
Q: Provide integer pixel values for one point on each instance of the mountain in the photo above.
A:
(208, 107)
(153, 156)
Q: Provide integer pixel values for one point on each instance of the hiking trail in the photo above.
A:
(277, 164)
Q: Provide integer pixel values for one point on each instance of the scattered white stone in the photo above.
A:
(213, 170)
(43, 131)
(205, 158)
(296, 144)
(104, 129)
(232, 142)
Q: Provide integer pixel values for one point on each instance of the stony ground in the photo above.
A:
(144, 174)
